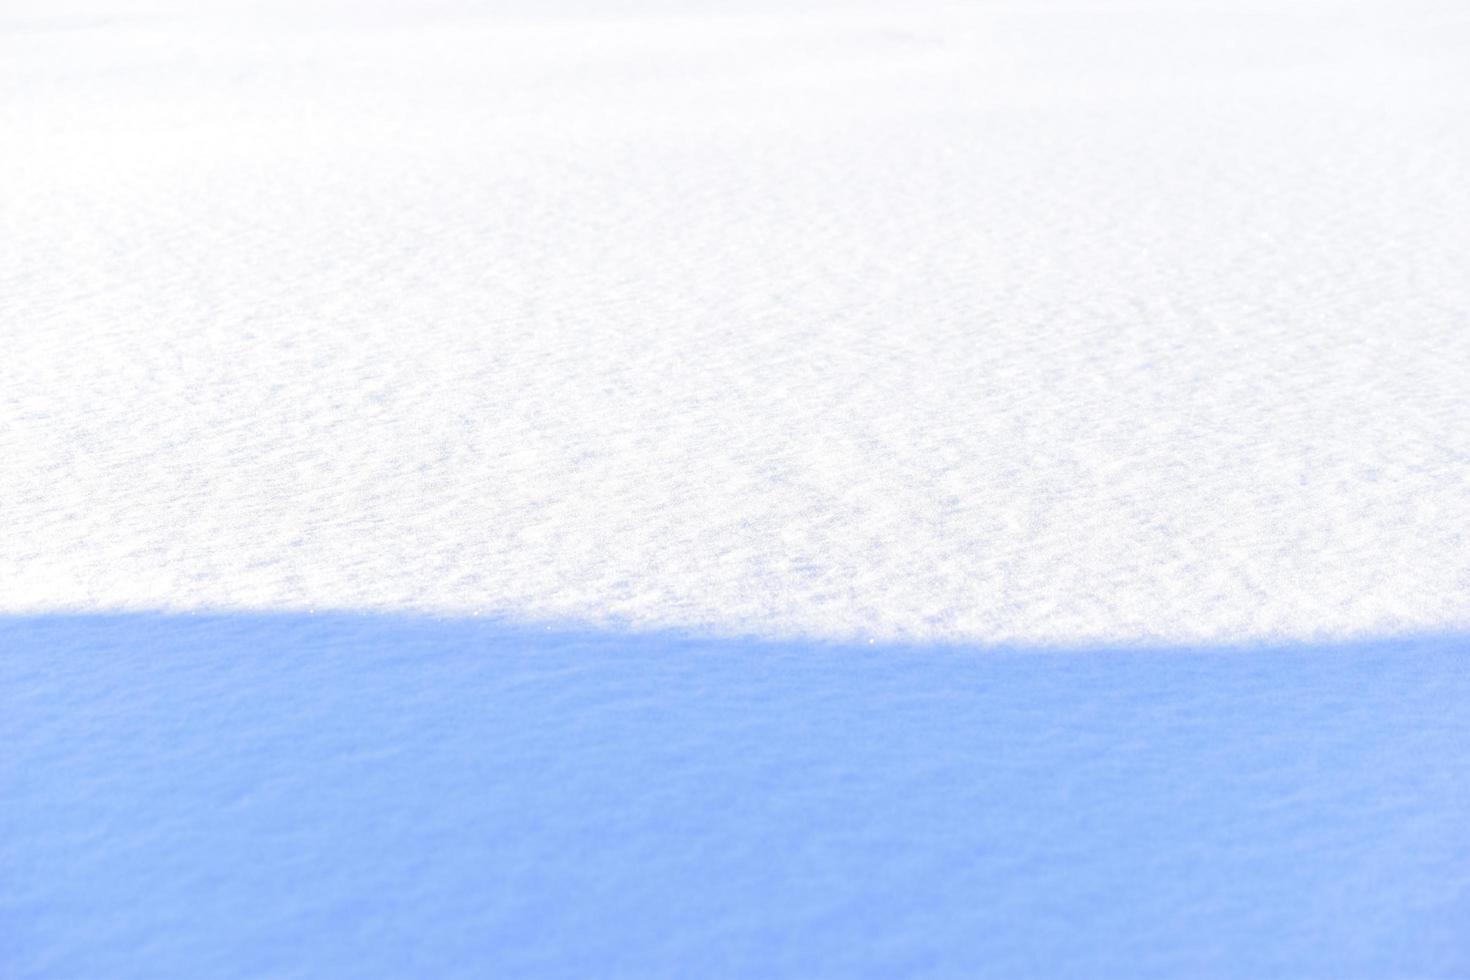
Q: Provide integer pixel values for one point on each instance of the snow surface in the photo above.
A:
(299, 795)
(987, 321)
(801, 364)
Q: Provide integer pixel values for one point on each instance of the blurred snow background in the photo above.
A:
(714, 335)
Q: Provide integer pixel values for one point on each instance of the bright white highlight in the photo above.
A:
(977, 321)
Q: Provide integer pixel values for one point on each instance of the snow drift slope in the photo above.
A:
(942, 321)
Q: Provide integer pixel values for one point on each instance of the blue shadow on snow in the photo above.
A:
(383, 795)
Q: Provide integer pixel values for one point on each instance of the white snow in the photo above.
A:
(975, 321)
(713, 334)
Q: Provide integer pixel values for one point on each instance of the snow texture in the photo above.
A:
(297, 795)
(997, 475)
(972, 322)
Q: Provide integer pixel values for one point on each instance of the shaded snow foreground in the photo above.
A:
(382, 795)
